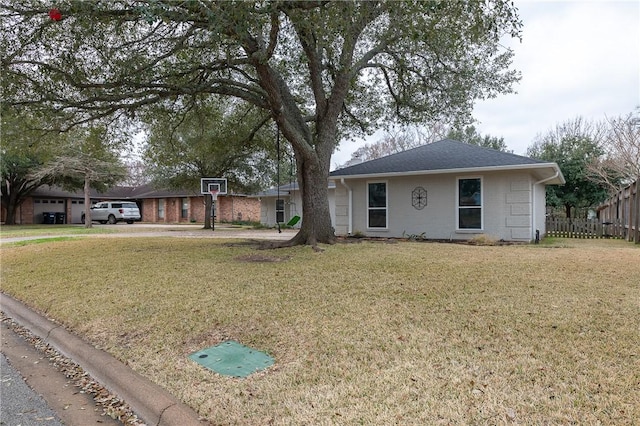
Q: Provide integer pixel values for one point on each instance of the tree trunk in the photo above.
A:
(567, 210)
(313, 179)
(312, 146)
(12, 208)
(316, 217)
(11, 214)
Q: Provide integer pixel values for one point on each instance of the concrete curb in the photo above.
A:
(150, 402)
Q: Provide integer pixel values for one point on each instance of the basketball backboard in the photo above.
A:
(207, 184)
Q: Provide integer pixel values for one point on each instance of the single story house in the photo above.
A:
(445, 190)
(156, 205)
(284, 203)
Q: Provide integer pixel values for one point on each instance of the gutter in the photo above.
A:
(445, 171)
(549, 178)
(533, 201)
(350, 206)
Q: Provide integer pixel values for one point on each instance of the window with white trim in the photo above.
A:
(469, 200)
(377, 205)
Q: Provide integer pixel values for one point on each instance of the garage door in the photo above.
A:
(77, 208)
(46, 205)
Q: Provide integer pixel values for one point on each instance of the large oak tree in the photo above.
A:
(216, 137)
(322, 69)
(24, 148)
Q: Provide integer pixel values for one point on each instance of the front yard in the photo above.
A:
(367, 333)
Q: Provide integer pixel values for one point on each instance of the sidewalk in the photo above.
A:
(150, 402)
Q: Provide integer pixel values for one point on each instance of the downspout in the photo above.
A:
(533, 202)
(350, 206)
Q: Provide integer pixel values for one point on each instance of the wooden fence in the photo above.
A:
(624, 206)
(618, 217)
(584, 228)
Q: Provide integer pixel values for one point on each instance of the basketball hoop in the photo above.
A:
(214, 194)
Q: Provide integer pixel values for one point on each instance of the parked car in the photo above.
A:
(114, 211)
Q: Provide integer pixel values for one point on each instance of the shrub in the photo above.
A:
(484, 240)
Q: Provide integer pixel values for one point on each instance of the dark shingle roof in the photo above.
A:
(119, 193)
(286, 189)
(446, 154)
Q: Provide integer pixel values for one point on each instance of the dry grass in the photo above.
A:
(369, 333)
(484, 240)
(19, 231)
(13, 231)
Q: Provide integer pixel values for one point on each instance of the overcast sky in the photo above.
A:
(577, 58)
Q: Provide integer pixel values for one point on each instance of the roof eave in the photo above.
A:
(553, 166)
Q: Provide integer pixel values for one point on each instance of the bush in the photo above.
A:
(484, 240)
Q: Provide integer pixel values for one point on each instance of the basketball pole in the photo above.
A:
(214, 198)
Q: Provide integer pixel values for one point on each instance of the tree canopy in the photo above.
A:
(573, 145)
(322, 70)
(24, 147)
(215, 138)
(469, 134)
(218, 137)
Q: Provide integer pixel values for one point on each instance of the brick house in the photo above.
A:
(156, 206)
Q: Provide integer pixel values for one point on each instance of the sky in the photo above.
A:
(577, 59)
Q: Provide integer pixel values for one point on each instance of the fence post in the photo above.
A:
(636, 211)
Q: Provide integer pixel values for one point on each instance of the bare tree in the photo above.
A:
(82, 169)
(90, 160)
(398, 140)
(620, 164)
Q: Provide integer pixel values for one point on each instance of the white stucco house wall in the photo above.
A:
(444, 190)
(289, 206)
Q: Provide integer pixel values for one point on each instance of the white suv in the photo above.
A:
(114, 211)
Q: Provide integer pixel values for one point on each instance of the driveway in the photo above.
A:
(181, 231)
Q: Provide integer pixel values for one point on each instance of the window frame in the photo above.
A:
(280, 210)
(461, 206)
(385, 208)
(184, 208)
(161, 208)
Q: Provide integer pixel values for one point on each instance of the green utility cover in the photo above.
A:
(232, 359)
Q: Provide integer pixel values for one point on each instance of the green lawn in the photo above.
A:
(367, 333)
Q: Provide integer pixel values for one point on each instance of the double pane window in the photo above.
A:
(470, 203)
(377, 205)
